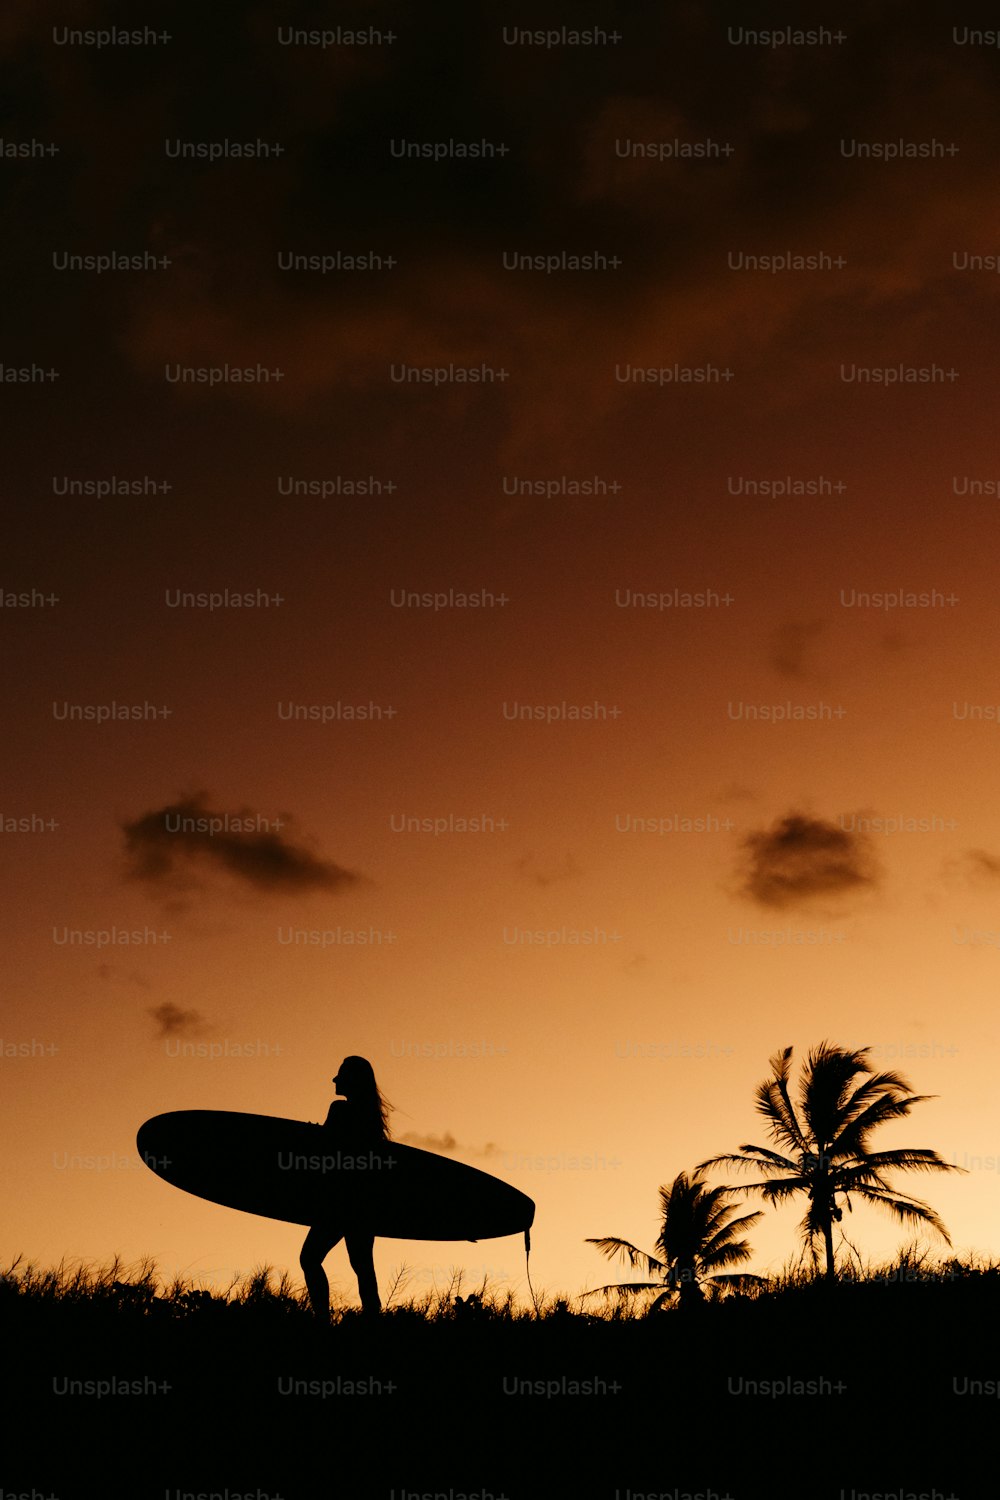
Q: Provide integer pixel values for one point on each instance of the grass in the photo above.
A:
(117, 1291)
(465, 1370)
(120, 1289)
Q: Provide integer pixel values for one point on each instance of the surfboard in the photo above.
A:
(307, 1174)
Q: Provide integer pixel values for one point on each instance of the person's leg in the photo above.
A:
(359, 1250)
(318, 1244)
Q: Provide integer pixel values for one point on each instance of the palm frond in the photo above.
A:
(910, 1158)
(751, 1156)
(854, 1135)
(658, 1302)
(611, 1247)
(728, 1255)
(825, 1086)
(725, 1236)
(774, 1102)
(774, 1191)
(869, 1091)
(907, 1210)
(623, 1288)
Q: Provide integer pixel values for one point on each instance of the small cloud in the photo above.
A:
(172, 1021)
(446, 1144)
(790, 643)
(985, 866)
(111, 974)
(162, 846)
(975, 867)
(800, 858)
(550, 874)
(737, 791)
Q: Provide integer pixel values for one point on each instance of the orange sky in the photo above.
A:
(602, 1068)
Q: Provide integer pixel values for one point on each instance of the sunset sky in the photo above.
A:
(692, 758)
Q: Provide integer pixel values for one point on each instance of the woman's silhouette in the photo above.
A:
(357, 1120)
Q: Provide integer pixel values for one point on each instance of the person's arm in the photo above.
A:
(332, 1119)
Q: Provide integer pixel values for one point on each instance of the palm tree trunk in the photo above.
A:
(831, 1271)
(691, 1291)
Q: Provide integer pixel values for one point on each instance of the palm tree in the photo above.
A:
(841, 1101)
(696, 1241)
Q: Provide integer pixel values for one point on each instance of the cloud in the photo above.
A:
(172, 1021)
(789, 645)
(565, 184)
(800, 858)
(986, 866)
(112, 974)
(20, 21)
(446, 1144)
(161, 847)
(544, 875)
(975, 867)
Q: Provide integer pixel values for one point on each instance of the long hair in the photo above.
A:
(368, 1104)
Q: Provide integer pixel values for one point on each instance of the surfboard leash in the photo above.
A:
(527, 1268)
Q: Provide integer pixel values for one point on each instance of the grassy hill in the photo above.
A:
(865, 1382)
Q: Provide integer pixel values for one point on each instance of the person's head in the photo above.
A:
(355, 1081)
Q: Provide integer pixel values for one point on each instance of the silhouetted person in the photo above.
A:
(357, 1122)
